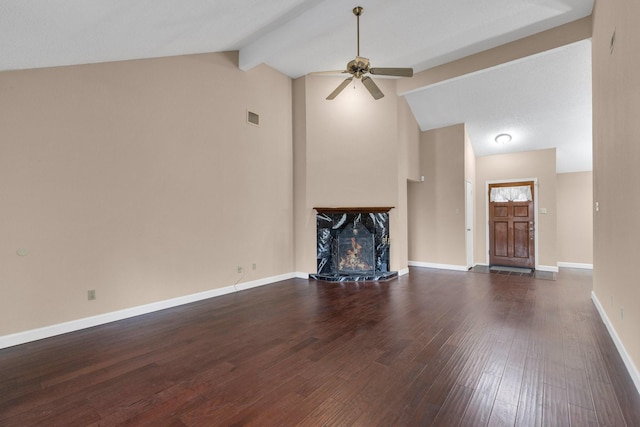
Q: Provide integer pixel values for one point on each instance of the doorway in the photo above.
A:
(512, 224)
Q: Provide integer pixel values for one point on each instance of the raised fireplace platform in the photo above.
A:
(354, 278)
(353, 244)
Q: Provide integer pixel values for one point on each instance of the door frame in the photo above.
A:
(535, 213)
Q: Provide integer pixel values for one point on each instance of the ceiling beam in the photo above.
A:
(316, 20)
(546, 40)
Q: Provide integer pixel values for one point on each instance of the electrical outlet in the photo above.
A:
(239, 269)
(23, 252)
(91, 294)
(254, 266)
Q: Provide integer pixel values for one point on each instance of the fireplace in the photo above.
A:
(352, 244)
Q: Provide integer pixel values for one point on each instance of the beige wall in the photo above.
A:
(530, 164)
(408, 171)
(616, 154)
(352, 145)
(575, 217)
(348, 151)
(409, 143)
(304, 222)
(436, 206)
(141, 180)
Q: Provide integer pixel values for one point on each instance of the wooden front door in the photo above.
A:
(511, 230)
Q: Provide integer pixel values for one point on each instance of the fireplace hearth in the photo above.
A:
(353, 244)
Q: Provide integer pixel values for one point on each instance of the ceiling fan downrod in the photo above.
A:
(358, 11)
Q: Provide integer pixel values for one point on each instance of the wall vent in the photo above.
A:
(253, 118)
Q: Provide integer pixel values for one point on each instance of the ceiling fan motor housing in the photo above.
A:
(358, 67)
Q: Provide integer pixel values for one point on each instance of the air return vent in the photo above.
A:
(253, 118)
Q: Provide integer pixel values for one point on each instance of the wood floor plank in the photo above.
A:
(531, 393)
(626, 393)
(502, 414)
(555, 408)
(581, 417)
(434, 347)
(578, 390)
(64, 411)
(454, 406)
(331, 413)
(510, 385)
(482, 401)
(606, 406)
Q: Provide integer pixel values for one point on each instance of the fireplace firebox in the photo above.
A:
(353, 244)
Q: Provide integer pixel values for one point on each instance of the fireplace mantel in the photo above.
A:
(375, 209)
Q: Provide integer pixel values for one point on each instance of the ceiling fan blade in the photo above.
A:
(373, 88)
(400, 72)
(339, 89)
(334, 72)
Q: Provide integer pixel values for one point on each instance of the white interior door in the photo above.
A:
(469, 223)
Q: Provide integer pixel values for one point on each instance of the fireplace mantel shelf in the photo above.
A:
(373, 209)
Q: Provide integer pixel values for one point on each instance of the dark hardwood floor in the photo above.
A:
(432, 348)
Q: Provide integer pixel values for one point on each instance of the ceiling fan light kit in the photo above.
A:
(360, 67)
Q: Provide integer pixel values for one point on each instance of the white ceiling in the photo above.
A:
(544, 100)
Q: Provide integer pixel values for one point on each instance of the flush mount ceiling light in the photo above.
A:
(503, 138)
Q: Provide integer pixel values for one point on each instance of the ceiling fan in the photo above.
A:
(360, 67)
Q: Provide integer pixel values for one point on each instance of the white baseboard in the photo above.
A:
(549, 268)
(631, 367)
(88, 322)
(403, 272)
(575, 265)
(438, 266)
(265, 281)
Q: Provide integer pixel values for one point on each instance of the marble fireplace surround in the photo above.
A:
(353, 244)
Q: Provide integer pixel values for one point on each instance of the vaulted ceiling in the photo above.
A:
(543, 100)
